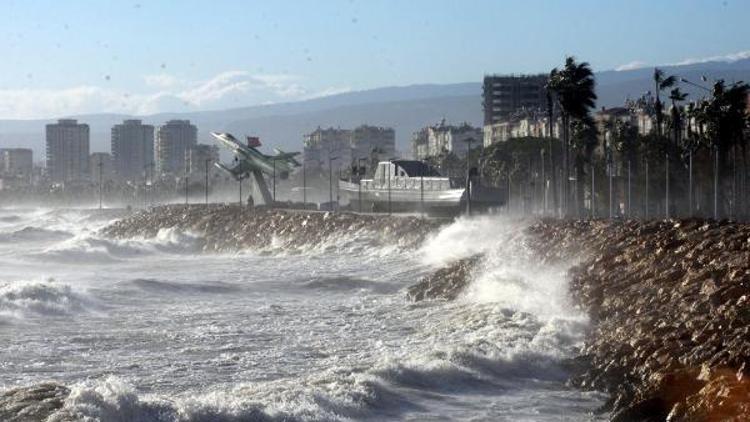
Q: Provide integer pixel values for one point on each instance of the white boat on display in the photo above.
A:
(410, 185)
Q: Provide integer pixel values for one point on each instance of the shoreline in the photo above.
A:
(669, 303)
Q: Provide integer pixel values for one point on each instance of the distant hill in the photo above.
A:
(406, 109)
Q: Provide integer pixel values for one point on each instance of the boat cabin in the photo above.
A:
(406, 174)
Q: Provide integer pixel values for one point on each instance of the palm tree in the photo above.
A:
(584, 141)
(551, 124)
(661, 83)
(676, 95)
(724, 118)
(626, 143)
(574, 88)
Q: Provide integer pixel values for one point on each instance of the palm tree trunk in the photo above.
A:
(553, 173)
(566, 166)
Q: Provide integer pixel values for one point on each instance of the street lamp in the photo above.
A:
(359, 181)
(207, 161)
(330, 180)
(273, 159)
(239, 179)
(544, 184)
(695, 84)
(468, 175)
(304, 183)
(390, 163)
(186, 185)
(100, 182)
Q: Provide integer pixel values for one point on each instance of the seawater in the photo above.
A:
(154, 330)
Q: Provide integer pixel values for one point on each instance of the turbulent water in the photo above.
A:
(151, 330)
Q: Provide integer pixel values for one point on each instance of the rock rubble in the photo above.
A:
(670, 302)
(225, 228)
(446, 283)
(670, 307)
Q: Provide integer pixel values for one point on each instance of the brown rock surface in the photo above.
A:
(671, 305)
(445, 283)
(231, 227)
(35, 403)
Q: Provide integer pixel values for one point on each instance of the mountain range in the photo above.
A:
(405, 108)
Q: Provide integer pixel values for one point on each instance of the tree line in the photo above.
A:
(692, 163)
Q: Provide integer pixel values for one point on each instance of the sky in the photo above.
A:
(142, 57)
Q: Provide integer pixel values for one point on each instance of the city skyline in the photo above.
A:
(237, 55)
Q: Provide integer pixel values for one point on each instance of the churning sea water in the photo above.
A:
(153, 330)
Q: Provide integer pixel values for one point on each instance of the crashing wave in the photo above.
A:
(232, 228)
(34, 234)
(87, 249)
(23, 299)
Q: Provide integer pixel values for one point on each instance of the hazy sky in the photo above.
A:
(71, 57)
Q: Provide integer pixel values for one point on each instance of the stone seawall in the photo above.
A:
(670, 301)
(670, 307)
(225, 228)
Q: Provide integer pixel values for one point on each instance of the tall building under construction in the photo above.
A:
(504, 95)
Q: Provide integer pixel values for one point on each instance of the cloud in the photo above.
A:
(162, 80)
(328, 92)
(161, 93)
(729, 58)
(637, 64)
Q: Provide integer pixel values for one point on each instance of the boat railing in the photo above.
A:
(408, 183)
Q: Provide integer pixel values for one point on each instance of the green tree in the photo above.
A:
(723, 121)
(573, 86)
(661, 83)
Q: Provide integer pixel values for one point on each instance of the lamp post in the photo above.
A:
(145, 186)
(186, 185)
(593, 193)
(695, 84)
(359, 181)
(330, 180)
(468, 175)
(239, 179)
(421, 189)
(544, 184)
(646, 201)
(390, 163)
(690, 182)
(716, 182)
(666, 199)
(273, 159)
(100, 182)
(206, 187)
(304, 183)
(629, 191)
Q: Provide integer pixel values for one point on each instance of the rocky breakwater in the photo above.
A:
(445, 283)
(222, 228)
(670, 302)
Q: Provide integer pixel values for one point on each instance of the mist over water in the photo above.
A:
(149, 329)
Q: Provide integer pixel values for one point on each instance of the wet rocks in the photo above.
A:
(231, 227)
(671, 306)
(445, 283)
(31, 404)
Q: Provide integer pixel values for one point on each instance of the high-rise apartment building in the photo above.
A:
(67, 151)
(101, 164)
(17, 162)
(201, 158)
(443, 138)
(323, 145)
(132, 149)
(173, 140)
(504, 95)
(373, 141)
(347, 146)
